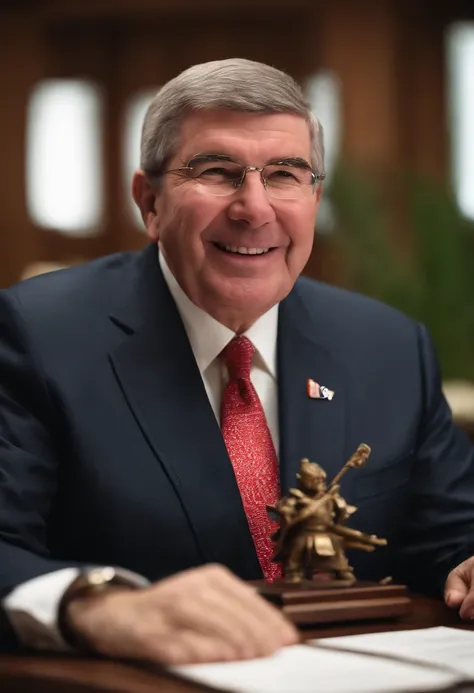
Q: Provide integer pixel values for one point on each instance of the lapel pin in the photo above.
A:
(317, 391)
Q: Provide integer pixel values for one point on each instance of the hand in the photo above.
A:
(200, 615)
(459, 589)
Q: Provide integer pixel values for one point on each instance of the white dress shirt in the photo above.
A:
(32, 607)
(209, 337)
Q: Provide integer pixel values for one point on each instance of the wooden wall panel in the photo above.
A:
(131, 57)
(21, 65)
(359, 42)
(423, 105)
(389, 57)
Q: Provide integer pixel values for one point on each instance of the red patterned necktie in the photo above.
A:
(251, 450)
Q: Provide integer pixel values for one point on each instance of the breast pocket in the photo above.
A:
(385, 479)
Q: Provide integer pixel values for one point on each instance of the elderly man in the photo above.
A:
(153, 403)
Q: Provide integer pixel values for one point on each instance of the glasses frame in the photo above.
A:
(316, 177)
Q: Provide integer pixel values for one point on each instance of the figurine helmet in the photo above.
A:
(310, 471)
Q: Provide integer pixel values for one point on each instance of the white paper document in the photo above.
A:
(440, 647)
(401, 662)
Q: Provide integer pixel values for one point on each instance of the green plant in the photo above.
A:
(433, 281)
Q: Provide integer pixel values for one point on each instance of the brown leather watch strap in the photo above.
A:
(92, 583)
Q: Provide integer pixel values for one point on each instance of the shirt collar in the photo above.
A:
(209, 337)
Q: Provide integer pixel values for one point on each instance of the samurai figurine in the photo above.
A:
(312, 537)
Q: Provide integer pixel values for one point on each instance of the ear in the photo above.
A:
(144, 196)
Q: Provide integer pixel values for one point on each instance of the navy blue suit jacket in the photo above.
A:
(110, 452)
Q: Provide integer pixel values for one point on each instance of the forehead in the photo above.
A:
(250, 137)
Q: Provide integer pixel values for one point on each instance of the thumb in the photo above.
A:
(456, 587)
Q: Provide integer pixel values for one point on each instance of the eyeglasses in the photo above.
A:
(221, 176)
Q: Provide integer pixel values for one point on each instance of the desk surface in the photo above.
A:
(60, 674)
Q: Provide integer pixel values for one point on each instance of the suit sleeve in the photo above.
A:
(29, 458)
(439, 533)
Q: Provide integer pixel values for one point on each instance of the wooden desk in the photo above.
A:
(65, 674)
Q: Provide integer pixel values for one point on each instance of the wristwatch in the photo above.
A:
(89, 583)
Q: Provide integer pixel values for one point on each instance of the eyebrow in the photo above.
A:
(292, 161)
(286, 160)
(212, 157)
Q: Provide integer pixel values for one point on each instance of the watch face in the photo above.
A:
(99, 576)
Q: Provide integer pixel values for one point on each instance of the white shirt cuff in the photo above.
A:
(32, 609)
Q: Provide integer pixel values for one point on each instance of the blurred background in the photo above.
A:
(391, 81)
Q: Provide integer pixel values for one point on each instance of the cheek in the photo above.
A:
(301, 233)
(202, 212)
(182, 228)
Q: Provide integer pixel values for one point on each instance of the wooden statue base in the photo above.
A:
(310, 603)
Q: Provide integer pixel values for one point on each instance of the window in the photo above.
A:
(134, 116)
(460, 50)
(323, 93)
(64, 157)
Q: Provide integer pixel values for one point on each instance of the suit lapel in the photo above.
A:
(312, 428)
(162, 384)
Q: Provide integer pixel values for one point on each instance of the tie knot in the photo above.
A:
(237, 356)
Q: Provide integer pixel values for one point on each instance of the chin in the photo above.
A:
(250, 287)
(244, 295)
(249, 301)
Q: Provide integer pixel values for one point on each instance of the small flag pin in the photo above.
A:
(317, 391)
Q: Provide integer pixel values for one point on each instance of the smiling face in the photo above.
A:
(213, 244)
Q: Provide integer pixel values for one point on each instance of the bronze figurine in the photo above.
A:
(312, 538)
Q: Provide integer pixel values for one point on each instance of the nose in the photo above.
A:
(250, 204)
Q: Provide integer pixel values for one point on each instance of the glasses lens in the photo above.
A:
(288, 181)
(220, 177)
(225, 177)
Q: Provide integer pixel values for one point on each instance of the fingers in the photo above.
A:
(459, 590)
(454, 596)
(456, 588)
(207, 614)
(261, 614)
(191, 648)
(467, 607)
(261, 629)
(210, 617)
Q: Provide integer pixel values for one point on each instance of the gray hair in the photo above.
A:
(234, 84)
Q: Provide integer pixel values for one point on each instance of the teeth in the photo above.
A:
(244, 251)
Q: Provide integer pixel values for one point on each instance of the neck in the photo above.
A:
(238, 323)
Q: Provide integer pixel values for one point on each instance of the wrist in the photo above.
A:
(85, 600)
